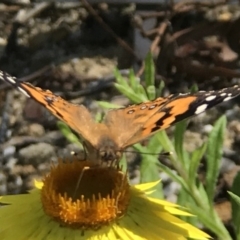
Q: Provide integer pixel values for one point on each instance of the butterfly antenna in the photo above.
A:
(147, 153)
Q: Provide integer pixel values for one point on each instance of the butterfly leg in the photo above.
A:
(84, 150)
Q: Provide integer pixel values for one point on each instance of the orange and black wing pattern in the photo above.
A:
(182, 106)
(159, 115)
(75, 116)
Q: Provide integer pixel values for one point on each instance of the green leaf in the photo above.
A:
(129, 93)
(194, 88)
(149, 70)
(183, 198)
(178, 142)
(159, 89)
(165, 141)
(99, 117)
(235, 201)
(203, 198)
(120, 79)
(212, 223)
(133, 80)
(142, 93)
(67, 132)
(148, 169)
(151, 92)
(153, 145)
(197, 155)
(107, 105)
(214, 155)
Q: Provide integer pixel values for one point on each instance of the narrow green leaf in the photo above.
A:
(107, 105)
(197, 155)
(159, 89)
(142, 93)
(120, 79)
(99, 117)
(214, 224)
(235, 201)
(194, 88)
(151, 92)
(149, 171)
(149, 70)
(178, 142)
(204, 198)
(68, 134)
(183, 198)
(172, 174)
(165, 141)
(153, 145)
(133, 80)
(214, 155)
(126, 91)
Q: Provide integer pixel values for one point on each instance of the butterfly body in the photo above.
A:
(123, 127)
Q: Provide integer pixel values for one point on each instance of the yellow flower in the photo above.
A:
(79, 200)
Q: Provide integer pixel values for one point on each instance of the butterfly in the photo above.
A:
(126, 126)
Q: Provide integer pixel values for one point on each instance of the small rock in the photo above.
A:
(224, 211)
(55, 138)
(15, 184)
(226, 165)
(3, 184)
(165, 178)
(234, 126)
(37, 153)
(44, 167)
(171, 191)
(34, 111)
(10, 164)
(36, 130)
(230, 175)
(192, 140)
(24, 171)
(207, 128)
(18, 181)
(9, 151)
(69, 150)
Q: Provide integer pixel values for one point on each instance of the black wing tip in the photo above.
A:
(4, 76)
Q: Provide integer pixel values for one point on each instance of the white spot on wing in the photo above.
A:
(201, 108)
(227, 98)
(11, 80)
(130, 111)
(23, 91)
(152, 106)
(223, 94)
(143, 107)
(210, 98)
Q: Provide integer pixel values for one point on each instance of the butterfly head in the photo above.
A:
(108, 149)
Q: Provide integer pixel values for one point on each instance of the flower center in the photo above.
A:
(84, 195)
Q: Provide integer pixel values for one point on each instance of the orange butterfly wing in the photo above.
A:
(129, 125)
(76, 116)
(153, 116)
